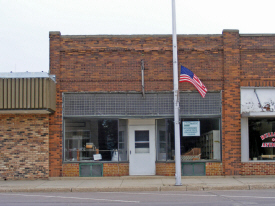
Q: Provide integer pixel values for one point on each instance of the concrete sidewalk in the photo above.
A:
(138, 183)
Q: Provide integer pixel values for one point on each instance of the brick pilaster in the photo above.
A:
(55, 139)
(231, 104)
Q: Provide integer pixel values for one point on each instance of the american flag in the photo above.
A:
(188, 76)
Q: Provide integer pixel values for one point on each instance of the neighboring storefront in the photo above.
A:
(258, 124)
(26, 101)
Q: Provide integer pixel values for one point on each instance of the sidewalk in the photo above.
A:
(138, 183)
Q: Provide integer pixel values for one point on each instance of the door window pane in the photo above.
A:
(141, 136)
(142, 142)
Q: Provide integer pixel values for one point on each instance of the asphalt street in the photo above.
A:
(186, 198)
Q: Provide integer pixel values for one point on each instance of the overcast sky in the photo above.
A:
(25, 24)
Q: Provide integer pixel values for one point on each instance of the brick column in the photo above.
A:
(231, 104)
(55, 137)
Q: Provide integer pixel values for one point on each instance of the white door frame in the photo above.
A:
(142, 163)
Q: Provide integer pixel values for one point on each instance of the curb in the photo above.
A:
(261, 186)
(143, 189)
(36, 190)
(232, 187)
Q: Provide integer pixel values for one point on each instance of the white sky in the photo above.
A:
(25, 24)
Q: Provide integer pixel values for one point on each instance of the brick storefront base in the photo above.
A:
(258, 168)
(115, 169)
(109, 169)
(70, 170)
(213, 169)
(165, 169)
(168, 169)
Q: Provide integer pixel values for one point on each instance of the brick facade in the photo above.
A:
(112, 64)
(231, 135)
(70, 170)
(213, 169)
(259, 168)
(165, 169)
(24, 148)
(55, 140)
(115, 169)
(109, 169)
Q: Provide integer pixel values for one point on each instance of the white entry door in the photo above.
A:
(142, 154)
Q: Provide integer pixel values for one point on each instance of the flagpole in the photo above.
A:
(176, 99)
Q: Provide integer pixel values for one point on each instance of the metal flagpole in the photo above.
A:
(176, 98)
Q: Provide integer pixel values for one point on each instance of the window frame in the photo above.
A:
(85, 119)
(186, 119)
(245, 138)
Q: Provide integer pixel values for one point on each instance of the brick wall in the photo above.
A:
(165, 169)
(168, 169)
(24, 148)
(258, 59)
(258, 168)
(70, 170)
(213, 169)
(112, 63)
(231, 121)
(115, 169)
(55, 141)
(109, 169)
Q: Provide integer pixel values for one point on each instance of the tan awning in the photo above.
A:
(27, 95)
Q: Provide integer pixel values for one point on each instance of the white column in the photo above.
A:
(176, 98)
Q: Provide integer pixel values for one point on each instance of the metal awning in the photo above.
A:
(27, 93)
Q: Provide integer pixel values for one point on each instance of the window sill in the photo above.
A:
(93, 161)
(257, 161)
(172, 161)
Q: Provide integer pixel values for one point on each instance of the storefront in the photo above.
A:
(27, 100)
(103, 128)
(258, 124)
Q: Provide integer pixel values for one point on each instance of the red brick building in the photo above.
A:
(107, 123)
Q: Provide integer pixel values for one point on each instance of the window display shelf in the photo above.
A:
(210, 145)
(75, 143)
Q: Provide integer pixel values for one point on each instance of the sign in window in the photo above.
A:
(261, 138)
(190, 128)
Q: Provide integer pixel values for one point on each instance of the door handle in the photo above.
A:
(130, 151)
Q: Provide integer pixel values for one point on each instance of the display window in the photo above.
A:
(261, 134)
(95, 140)
(199, 138)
